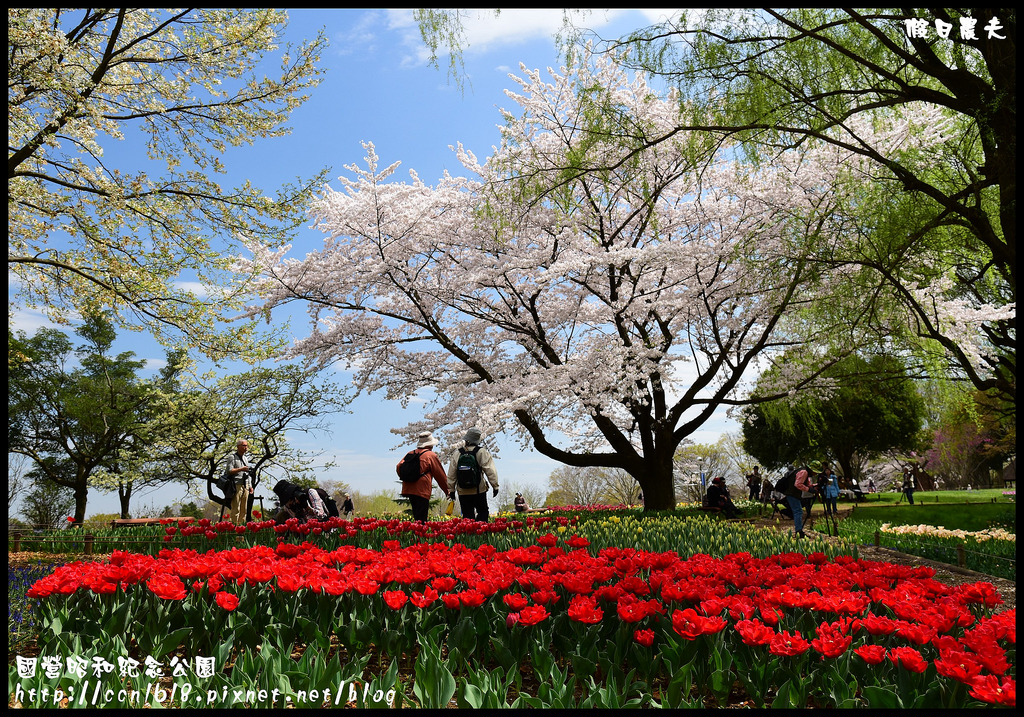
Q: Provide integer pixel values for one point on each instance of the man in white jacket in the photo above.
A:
(470, 469)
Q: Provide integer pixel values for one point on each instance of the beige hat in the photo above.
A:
(425, 440)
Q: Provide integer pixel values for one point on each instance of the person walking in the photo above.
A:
(347, 508)
(908, 485)
(470, 469)
(423, 468)
(238, 472)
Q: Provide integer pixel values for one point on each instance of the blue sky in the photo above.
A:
(379, 88)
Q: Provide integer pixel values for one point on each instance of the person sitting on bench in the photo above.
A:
(718, 497)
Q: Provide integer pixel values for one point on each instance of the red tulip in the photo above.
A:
(754, 632)
(831, 645)
(228, 601)
(167, 587)
(395, 599)
(515, 601)
(644, 637)
(961, 666)
(532, 615)
(988, 688)
(788, 644)
(871, 654)
(583, 608)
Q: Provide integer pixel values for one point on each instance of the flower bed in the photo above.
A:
(992, 551)
(943, 532)
(651, 627)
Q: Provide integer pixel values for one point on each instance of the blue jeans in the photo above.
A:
(797, 507)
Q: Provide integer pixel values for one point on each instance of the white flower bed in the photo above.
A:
(941, 532)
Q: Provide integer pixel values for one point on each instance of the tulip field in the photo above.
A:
(584, 610)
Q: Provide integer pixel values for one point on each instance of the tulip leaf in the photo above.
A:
(881, 698)
(470, 696)
(169, 642)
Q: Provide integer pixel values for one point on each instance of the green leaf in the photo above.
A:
(463, 636)
(882, 698)
(169, 642)
(470, 696)
(786, 697)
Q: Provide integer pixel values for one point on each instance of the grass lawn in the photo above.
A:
(939, 496)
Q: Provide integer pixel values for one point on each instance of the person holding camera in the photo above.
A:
(238, 473)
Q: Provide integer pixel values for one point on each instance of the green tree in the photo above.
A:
(202, 422)
(86, 232)
(71, 422)
(935, 231)
(379, 503)
(136, 467)
(618, 487)
(971, 442)
(872, 407)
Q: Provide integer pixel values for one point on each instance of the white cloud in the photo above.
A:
(30, 321)
(483, 31)
(155, 364)
(362, 37)
(657, 15)
(195, 287)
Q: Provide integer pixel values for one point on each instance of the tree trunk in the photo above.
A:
(656, 481)
(124, 494)
(846, 466)
(81, 496)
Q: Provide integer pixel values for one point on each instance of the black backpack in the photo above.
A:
(410, 471)
(467, 470)
(786, 482)
(329, 502)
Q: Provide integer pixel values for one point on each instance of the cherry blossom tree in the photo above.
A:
(599, 317)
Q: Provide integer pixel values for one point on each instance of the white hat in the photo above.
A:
(425, 440)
